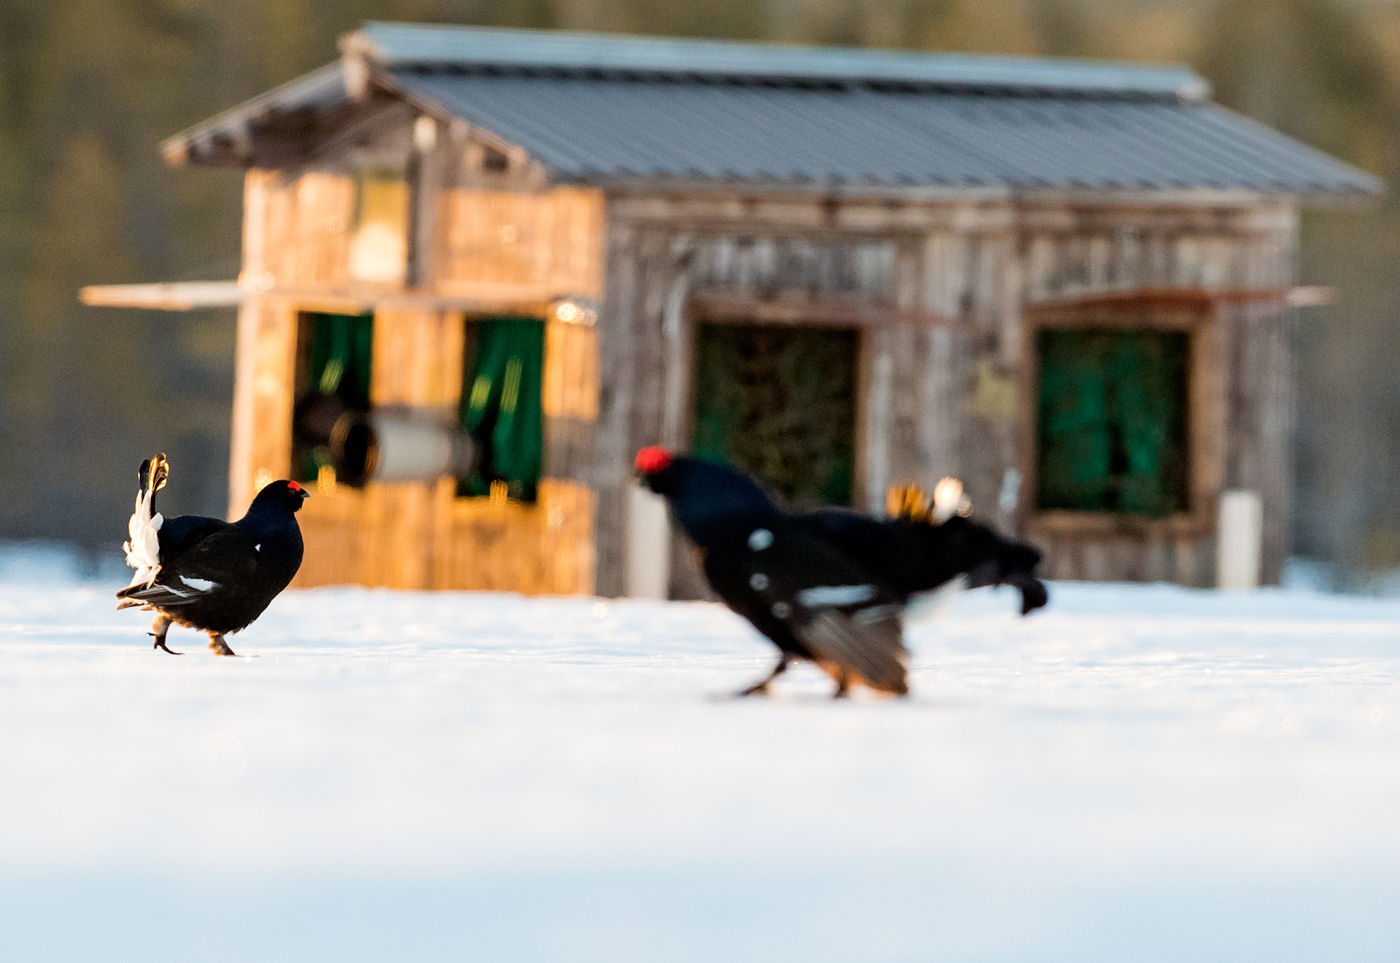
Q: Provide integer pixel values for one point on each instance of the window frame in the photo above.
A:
(1198, 318)
(753, 322)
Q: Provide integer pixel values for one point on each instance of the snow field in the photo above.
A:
(1136, 773)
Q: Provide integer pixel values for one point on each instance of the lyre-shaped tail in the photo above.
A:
(910, 501)
(949, 500)
(143, 546)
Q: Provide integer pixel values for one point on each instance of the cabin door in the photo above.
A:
(779, 402)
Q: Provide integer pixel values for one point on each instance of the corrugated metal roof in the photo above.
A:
(631, 110)
(406, 45)
(614, 129)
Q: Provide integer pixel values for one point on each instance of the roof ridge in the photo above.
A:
(402, 45)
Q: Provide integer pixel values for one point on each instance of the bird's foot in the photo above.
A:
(761, 686)
(220, 647)
(160, 644)
(754, 690)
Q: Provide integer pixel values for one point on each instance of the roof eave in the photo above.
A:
(1317, 196)
(623, 184)
(232, 138)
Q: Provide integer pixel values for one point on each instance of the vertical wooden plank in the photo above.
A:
(570, 399)
(414, 366)
(256, 191)
(619, 315)
(876, 379)
(274, 379)
(1210, 433)
(1156, 564)
(538, 245)
(678, 339)
(908, 461)
(942, 403)
(431, 175)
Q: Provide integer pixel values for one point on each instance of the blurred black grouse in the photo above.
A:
(208, 574)
(830, 586)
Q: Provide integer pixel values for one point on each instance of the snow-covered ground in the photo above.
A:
(1135, 774)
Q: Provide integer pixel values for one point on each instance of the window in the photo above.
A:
(333, 377)
(1112, 421)
(379, 225)
(501, 406)
(778, 401)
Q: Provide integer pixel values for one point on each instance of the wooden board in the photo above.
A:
(941, 292)
(537, 246)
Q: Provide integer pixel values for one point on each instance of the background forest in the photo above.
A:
(89, 87)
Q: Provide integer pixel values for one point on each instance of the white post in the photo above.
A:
(1239, 539)
(648, 545)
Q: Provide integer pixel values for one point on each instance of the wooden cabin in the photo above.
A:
(1069, 284)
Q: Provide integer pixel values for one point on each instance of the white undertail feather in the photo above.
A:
(143, 547)
(949, 500)
(927, 604)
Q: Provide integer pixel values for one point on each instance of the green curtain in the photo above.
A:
(1151, 378)
(338, 365)
(1112, 421)
(501, 406)
(340, 356)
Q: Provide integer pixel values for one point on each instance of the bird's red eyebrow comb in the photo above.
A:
(293, 486)
(652, 459)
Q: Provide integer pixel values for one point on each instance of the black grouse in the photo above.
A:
(830, 586)
(208, 574)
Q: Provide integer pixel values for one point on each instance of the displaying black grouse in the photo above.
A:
(830, 586)
(208, 574)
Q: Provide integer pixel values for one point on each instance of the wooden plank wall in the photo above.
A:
(475, 241)
(940, 291)
(1261, 414)
(900, 278)
(527, 246)
(1241, 252)
(1099, 546)
(420, 535)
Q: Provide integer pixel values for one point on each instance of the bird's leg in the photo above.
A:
(761, 688)
(217, 643)
(843, 684)
(158, 629)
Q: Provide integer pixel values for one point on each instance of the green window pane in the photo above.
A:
(501, 406)
(1111, 424)
(779, 402)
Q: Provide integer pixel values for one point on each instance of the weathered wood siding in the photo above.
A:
(878, 269)
(473, 241)
(941, 292)
(1238, 261)
(526, 247)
